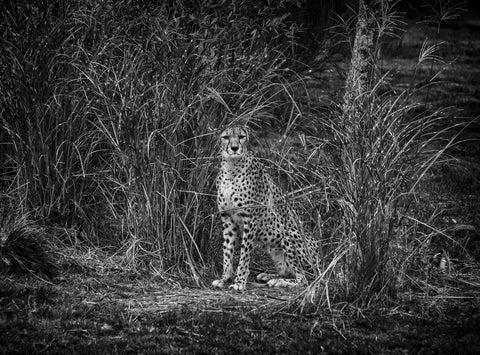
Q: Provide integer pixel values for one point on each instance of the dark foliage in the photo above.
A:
(25, 249)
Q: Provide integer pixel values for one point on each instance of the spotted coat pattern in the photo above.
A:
(249, 201)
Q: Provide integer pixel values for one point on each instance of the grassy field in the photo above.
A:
(122, 289)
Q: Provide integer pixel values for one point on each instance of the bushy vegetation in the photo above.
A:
(381, 145)
(109, 112)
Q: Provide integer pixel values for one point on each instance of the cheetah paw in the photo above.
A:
(218, 283)
(281, 283)
(237, 287)
(266, 277)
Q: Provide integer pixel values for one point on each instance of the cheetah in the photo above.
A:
(250, 202)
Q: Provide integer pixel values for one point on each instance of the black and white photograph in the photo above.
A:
(239, 177)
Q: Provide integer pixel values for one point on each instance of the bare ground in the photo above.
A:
(117, 312)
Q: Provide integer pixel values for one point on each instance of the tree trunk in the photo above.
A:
(365, 268)
(361, 70)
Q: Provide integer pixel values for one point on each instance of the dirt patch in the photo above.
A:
(121, 313)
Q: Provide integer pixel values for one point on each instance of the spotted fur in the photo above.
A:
(249, 201)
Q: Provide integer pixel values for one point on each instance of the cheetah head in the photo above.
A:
(233, 142)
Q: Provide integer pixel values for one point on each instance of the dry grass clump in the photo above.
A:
(106, 113)
(24, 248)
(381, 145)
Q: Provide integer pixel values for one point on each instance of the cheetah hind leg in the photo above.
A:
(219, 283)
(278, 259)
(278, 279)
(275, 280)
(265, 277)
(299, 280)
(282, 283)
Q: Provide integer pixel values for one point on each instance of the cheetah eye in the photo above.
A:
(225, 137)
(241, 137)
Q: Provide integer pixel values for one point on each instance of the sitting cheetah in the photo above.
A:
(249, 200)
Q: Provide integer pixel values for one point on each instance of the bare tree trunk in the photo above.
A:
(360, 74)
(365, 267)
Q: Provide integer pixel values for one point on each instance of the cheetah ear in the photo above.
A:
(250, 132)
(210, 128)
(214, 131)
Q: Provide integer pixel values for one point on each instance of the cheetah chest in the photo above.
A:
(228, 195)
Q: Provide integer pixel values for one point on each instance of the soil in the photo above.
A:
(115, 312)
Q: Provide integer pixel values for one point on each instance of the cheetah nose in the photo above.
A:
(234, 148)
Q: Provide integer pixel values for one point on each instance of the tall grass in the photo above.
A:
(381, 145)
(106, 115)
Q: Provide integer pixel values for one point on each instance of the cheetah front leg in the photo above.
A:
(243, 269)
(230, 229)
